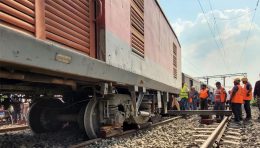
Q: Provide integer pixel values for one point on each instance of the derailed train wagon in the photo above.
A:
(114, 62)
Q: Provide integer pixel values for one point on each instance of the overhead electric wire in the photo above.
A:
(215, 23)
(248, 34)
(218, 32)
(212, 33)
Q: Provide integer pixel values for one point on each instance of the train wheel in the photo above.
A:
(81, 118)
(91, 119)
(42, 116)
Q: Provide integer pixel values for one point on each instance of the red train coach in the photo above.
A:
(111, 62)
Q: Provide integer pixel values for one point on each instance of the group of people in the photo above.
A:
(242, 95)
(17, 107)
(238, 96)
(188, 98)
(192, 99)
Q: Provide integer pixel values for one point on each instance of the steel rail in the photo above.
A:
(215, 134)
(126, 133)
(222, 132)
(10, 129)
(165, 121)
(85, 143)
(200, 112)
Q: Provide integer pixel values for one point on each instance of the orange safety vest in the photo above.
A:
(204, 94)
(245, 93)
(220, 95)
(190, 100)
(239, 96)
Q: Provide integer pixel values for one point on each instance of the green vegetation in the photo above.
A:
(253, 102)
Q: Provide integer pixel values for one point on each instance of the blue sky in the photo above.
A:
(228, 48)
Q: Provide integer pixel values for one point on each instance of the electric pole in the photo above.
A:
(224, 76)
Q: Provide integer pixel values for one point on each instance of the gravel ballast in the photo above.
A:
(178, 133)
(174, 134)
(251, 136)
(26, 139)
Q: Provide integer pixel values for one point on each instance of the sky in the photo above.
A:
(225, 39)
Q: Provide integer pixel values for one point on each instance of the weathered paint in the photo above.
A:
(68, 23)
(152, 71)
(38, 56)
(159, 38)
(118, 18)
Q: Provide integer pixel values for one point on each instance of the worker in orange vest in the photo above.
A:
(237, 99)
(220, 98)
(248, 95)
(204, 94)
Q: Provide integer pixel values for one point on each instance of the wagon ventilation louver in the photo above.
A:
(67, 23)
(137, 26)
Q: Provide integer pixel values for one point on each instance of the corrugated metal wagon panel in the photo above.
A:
(56, 12)
(69, 23)
(19, 14)
(137, 26)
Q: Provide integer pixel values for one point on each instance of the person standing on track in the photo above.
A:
(184, 94)
(257, 94)
(193, 94)
(248, 95)
(204, 94)
(220, 98)
(237, 99)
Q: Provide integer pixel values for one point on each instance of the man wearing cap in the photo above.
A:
(220, 98)
(237, 99)
(247, 97)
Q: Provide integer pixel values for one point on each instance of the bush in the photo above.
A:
(253, 102)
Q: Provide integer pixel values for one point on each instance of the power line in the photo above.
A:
(212, 33)
(248, 33)
(218, 32)
(224, 76)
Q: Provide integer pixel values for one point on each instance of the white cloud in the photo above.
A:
(199, 47)
(180, 25)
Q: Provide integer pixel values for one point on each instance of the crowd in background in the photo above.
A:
(16, 106)
(237, 99)
(189, 98)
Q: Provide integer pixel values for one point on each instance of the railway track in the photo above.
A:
(171, 132)
(124, 134)
(13, 128)
(224, 134)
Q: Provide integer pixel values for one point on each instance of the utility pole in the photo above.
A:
(224, 76)
(224, 80)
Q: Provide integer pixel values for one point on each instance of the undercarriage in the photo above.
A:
(100, 110)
